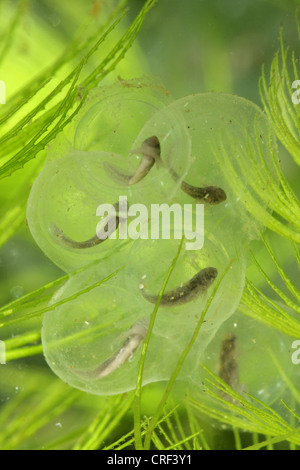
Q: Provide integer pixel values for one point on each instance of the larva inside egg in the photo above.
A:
(216, 255)
(233, 147)
(253, 359)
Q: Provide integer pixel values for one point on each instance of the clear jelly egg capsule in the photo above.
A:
(93, 343)
(122, 119)
(92, 339)
(72, 217)
(252, 358)
(196, 273)
(113, 115)
(233, 148)
(76, 213)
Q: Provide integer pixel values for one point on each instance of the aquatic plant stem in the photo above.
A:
(138, 390)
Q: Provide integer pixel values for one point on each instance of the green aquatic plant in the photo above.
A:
(43, 412)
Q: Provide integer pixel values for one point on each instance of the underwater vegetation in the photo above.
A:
(167, 313)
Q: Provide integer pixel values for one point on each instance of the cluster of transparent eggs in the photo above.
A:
(93, 341)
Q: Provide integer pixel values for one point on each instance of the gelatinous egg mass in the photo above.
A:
(119, 189)
(232, 149)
